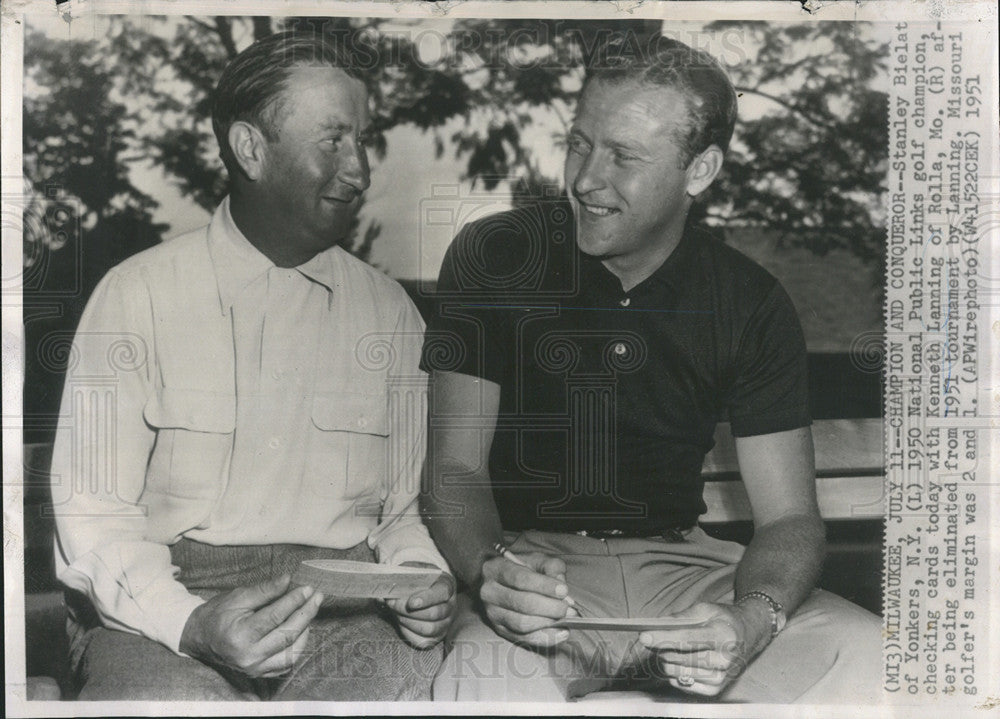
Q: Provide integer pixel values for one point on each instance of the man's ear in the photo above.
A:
(703, 170)
(249, 148)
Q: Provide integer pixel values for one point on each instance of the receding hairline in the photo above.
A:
(252, 86)
(274, 110)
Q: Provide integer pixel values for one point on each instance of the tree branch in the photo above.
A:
(224, 29)
(819, 122)
(261, 27)
(202, 24)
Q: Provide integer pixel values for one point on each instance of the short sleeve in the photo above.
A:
(770, 392)
(464, 329)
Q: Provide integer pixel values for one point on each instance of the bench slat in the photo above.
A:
(847, 446)
(839, 498)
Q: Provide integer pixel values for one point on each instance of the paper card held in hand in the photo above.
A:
(626, 624)
(343, 578)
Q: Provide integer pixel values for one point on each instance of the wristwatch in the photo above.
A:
(778, 616)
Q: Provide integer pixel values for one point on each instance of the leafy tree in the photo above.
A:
(82, 214)
(78, 134)
(812, 166)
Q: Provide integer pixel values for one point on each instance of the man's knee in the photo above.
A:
(494, 669)
(842, 621)
(830, 652)
(114, 665)
(360, 658)
(483, 666)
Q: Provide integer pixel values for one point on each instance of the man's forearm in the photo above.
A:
(463, 520)
(784, 560)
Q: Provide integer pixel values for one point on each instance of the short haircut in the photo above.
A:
(701, 81)
(251, 86)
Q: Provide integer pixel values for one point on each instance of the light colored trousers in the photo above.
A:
(829, 652)
(353, 652)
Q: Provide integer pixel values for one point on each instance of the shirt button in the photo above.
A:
(626, 302)
(620, 348)
(274, 443)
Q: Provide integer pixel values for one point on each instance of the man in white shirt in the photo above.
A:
(241, 398)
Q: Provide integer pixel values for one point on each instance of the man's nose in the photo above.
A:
(590, 176)
(354, 168)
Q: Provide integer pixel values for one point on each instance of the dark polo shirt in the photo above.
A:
(609, 399)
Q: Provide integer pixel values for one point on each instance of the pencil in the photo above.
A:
(510, 556)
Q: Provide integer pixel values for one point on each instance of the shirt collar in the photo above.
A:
(676, 269)
(237, 263)
(322, 268)
(672, 273)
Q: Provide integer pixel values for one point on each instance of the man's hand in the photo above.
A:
(424, 617)
(258, 630)
(523, 602)
(704, 659)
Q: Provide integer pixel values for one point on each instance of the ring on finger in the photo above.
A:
(685, 681)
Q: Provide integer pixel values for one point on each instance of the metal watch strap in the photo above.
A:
(777, 611)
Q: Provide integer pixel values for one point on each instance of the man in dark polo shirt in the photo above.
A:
(576, 387)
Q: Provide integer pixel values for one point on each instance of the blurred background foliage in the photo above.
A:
(811, 168)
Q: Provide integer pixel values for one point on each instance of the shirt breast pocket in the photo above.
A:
(353, 438)
(194, 440)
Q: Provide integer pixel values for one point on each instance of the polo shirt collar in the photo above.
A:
(676, 269)
(237, 263)
(672, 273)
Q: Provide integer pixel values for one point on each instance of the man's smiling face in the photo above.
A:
(317, 166)
(623, 172)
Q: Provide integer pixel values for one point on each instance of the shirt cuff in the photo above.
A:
(409, 542)
(418, 554)
(171, 618)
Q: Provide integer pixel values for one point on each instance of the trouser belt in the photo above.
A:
(670, 534)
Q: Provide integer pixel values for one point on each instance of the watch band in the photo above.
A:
(778, 617)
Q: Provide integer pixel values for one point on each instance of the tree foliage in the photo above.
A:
(811, 166)
(814, 166)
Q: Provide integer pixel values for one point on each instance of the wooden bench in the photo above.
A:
(849, 473)
(849, 488)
